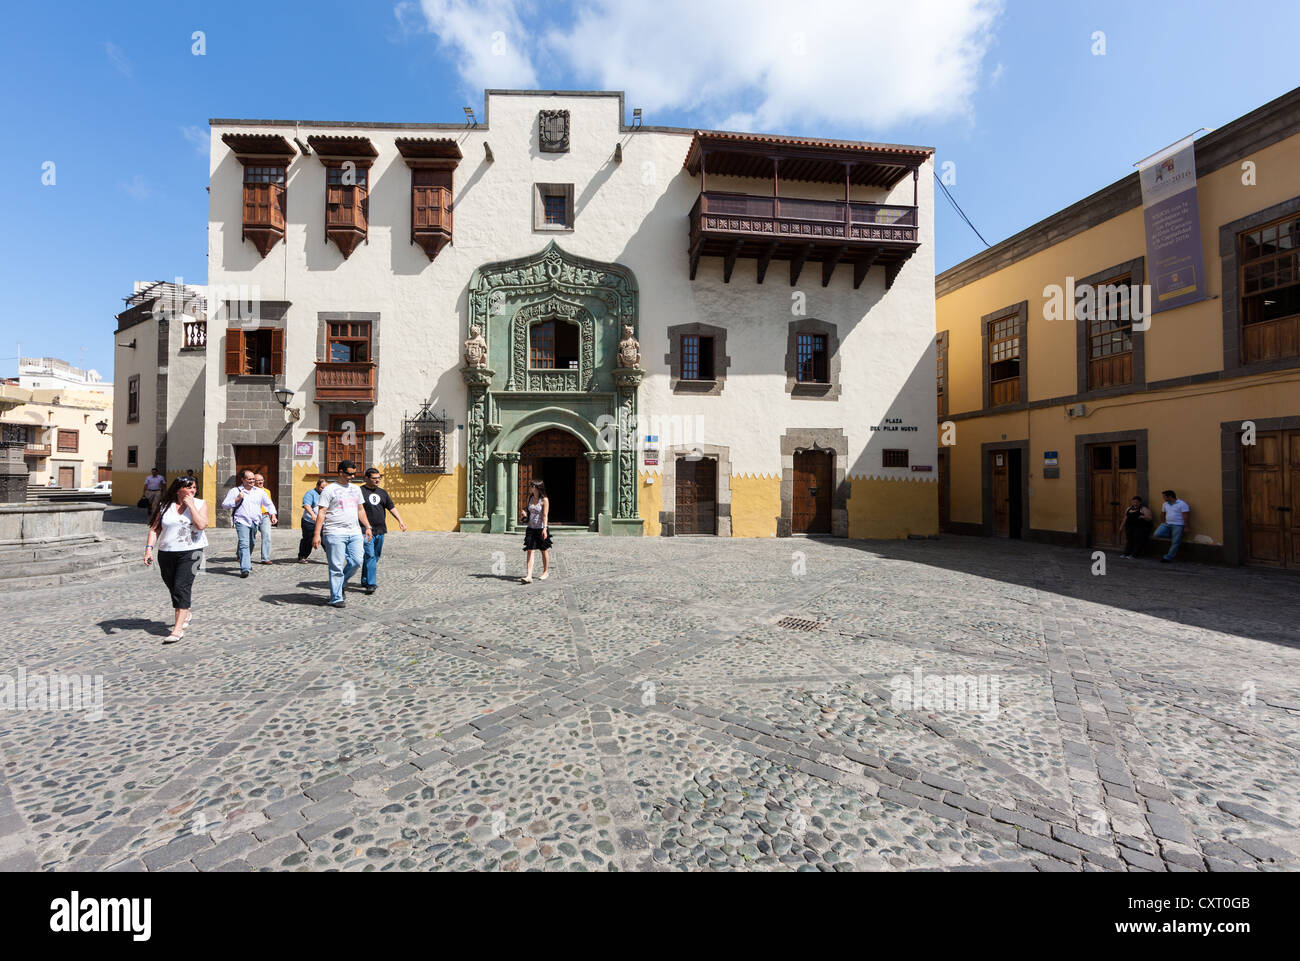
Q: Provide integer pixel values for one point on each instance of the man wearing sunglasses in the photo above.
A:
(340, 518)
(377, 503)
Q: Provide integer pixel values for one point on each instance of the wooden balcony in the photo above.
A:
(337, 381)
(196, 335)
(347, 217)
(1270, 339)
(36, 450)
(829, 232)
(264, 215)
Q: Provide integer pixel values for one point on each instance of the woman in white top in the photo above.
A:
(537, 536)
(177, 527)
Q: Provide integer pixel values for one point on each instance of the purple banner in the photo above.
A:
(1175, 268)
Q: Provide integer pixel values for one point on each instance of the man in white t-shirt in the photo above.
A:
(340, 518)
(1175, 524)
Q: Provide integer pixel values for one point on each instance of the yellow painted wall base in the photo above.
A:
(755, 505)
(427, 502)
(650, 502)
(887, 508)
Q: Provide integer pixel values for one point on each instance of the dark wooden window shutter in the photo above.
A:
(277, 350)
(234, 351)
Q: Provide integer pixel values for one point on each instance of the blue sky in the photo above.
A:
(1010, 91)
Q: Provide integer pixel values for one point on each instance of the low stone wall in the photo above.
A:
(37, 524)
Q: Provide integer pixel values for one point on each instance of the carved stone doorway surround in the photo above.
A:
(815, 438)
(668, 504)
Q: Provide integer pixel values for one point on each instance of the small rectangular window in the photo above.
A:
(67, 441)
(811, 358)
(553, 207)
(132, 457)
(133, 400)
(349, 177)
(348, 342)
(894, 457)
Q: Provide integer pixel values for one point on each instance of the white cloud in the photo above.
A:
(137, 188)
(199, 136)
(770, 64)
(488, 39)
(996, 75)
(117, 57)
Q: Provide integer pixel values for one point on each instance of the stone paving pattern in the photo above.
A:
(643, 710)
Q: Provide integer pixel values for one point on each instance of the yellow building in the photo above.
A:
(63, 444)
(1051, 424)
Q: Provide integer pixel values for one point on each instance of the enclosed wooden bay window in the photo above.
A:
(1270, 290)
(347, 163)
(348, 371)
(433, 164)
(266, 159)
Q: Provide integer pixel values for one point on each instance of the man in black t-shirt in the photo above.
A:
(377, 502)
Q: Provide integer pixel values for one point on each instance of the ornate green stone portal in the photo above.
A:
(544, 352)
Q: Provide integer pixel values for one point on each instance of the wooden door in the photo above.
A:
(1001, 489)
(556, 444)
(697, 508)
(264, 460)
(1271, 499)
(346, 441)
(1112, 484)
(811, 504)
(67, 477)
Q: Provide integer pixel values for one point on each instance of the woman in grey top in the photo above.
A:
(537, 535)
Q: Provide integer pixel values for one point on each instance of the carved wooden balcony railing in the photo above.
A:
(348, 381)
(37, 450)
(346, 216)
(195, 334)
(798, 230)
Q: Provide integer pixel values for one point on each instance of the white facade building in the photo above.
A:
(785, 380)
(51, 373)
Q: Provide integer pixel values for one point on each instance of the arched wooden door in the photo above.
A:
(558, 459)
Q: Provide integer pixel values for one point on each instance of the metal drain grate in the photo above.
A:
(798, 624)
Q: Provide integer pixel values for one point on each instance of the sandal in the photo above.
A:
(544, 575)
(173, 638)
(525, 580)
(187, 622)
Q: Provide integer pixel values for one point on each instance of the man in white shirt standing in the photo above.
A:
(1175, 524)
(153, 488)
(245, 502)
(340, 518)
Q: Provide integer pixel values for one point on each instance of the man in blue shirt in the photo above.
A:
(245, 503)
(310, 501)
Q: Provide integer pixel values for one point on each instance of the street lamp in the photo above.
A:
(285, 396)
(101, 426)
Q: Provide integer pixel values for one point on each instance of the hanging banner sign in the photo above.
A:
(1175, 269)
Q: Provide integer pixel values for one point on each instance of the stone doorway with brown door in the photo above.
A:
(814, 490)
(696, 509)
(1112, 484)
(811, 510)
(1006, 489)
(265, 460)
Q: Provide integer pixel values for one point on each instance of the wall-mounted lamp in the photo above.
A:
(636, 117)
(470, 121)
(285, 396)
(101, 426)
(130, 345)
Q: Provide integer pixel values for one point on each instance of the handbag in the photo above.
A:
(142, 503)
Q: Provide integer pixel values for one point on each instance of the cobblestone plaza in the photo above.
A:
(664, 704)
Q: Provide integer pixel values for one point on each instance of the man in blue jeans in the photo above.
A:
(340, 518)
(1175, 524)
(377, 503)
(246, 502)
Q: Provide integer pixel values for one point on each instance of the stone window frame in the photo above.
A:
(721, 360)
(803, 390)
(941, 348)
(1231, 289)
(133, 416)
(832, 439)
(1022, 309)
(323, 319)
(1136, 271)
(668, 498)
(543, 190)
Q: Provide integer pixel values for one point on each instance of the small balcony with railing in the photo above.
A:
(349, 381)
(798, 230)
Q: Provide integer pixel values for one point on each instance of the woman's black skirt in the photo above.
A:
(533, 540)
